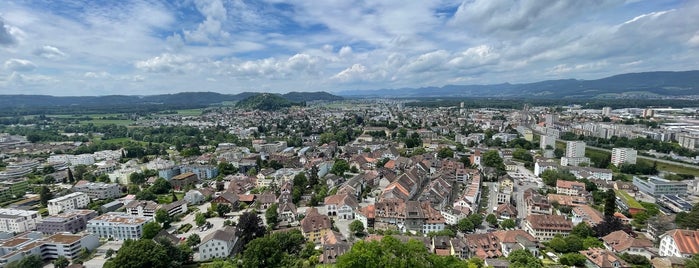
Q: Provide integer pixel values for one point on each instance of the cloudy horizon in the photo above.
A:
(145, 47)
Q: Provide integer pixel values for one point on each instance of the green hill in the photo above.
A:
(267, 102)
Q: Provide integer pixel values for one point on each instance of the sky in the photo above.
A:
(145, 47)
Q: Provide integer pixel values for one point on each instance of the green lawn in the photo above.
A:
(628, 199)
(190, 112)
(167, 198)
(672, 168)
(102, 122)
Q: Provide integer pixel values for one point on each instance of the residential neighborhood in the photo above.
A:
(467, 183)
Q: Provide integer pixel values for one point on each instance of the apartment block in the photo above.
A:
(69, 222)
(68, 202)
(575, 149)
(623, 156)
(47, 248)
(17, 220)
(119, 226)
(98, 190)
(545, 227)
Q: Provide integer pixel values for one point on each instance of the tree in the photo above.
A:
(508, 224)
(583, 230)
(45, 195)
(150, 230)
(693, 262)
(491, 219)
(71, 179)
(492, 159)
(356, 227)
(340, 167)
(109, 253)
(160, 186)
(61, 262)
(163, 217)
(592, 242)
(199, 219)
(250, 227)
(271, 215)
(573, 259)
(280, 249)
(146, 195)
(141, 253)
(222, 209)
(30, 261)
(391, 252)
(522, 258)
(445, 152)
(193, 240)
(608, 225)
(465, 225)
(609, 203)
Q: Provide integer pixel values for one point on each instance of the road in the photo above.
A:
(528, 180)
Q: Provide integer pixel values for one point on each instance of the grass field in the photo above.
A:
(672, 168)
(190, 112)
(101, 122)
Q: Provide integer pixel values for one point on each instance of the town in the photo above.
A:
(339, 183)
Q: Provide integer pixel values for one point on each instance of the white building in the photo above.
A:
(219, 244)
(623, 156)
(17, 220)
(119, 226)
(47, 248)
(68, 203)
(547, 141)
(98, 190)
(575, 149)
(679, 243)
(574, 161)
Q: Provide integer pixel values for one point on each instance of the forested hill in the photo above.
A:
(188, 99)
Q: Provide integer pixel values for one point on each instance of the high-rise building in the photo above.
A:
(547, 141)
(575, 149)
(606, 111)
(623, 156)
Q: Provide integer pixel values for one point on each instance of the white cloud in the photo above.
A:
(352, 73)
(50, 52)
(167, 63)
(19, 65)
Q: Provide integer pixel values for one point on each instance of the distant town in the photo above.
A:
(347, 183)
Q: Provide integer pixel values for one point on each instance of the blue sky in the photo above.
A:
(141, 47)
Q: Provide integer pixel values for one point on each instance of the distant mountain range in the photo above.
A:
(624, 86)
(188, 99)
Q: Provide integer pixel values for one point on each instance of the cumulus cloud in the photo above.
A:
(50, 52)
(211, 28)
(298, 64)
(167, 63)
(19, 65)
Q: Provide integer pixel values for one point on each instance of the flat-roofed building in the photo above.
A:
(18, 220)
(119, 226)
(69, 222)
(47, 248)
(623, 156)
(68, 202)
(181, 181)
(98, 190)
(657, 186)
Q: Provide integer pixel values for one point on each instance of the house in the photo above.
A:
(622, 242)
(536, 203)
(287, 212)
(341, 205)
(679, 243)
(315, 225)
(221, 244)
(265, 199)
(183, 180)
(545, 227)
(506, 211)
(587, 214)
(194, 197)
(569, 187)
(227, 198)
(511, 240)
(366, 215)
(602, 258)
(483, 246)
(334, 244)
